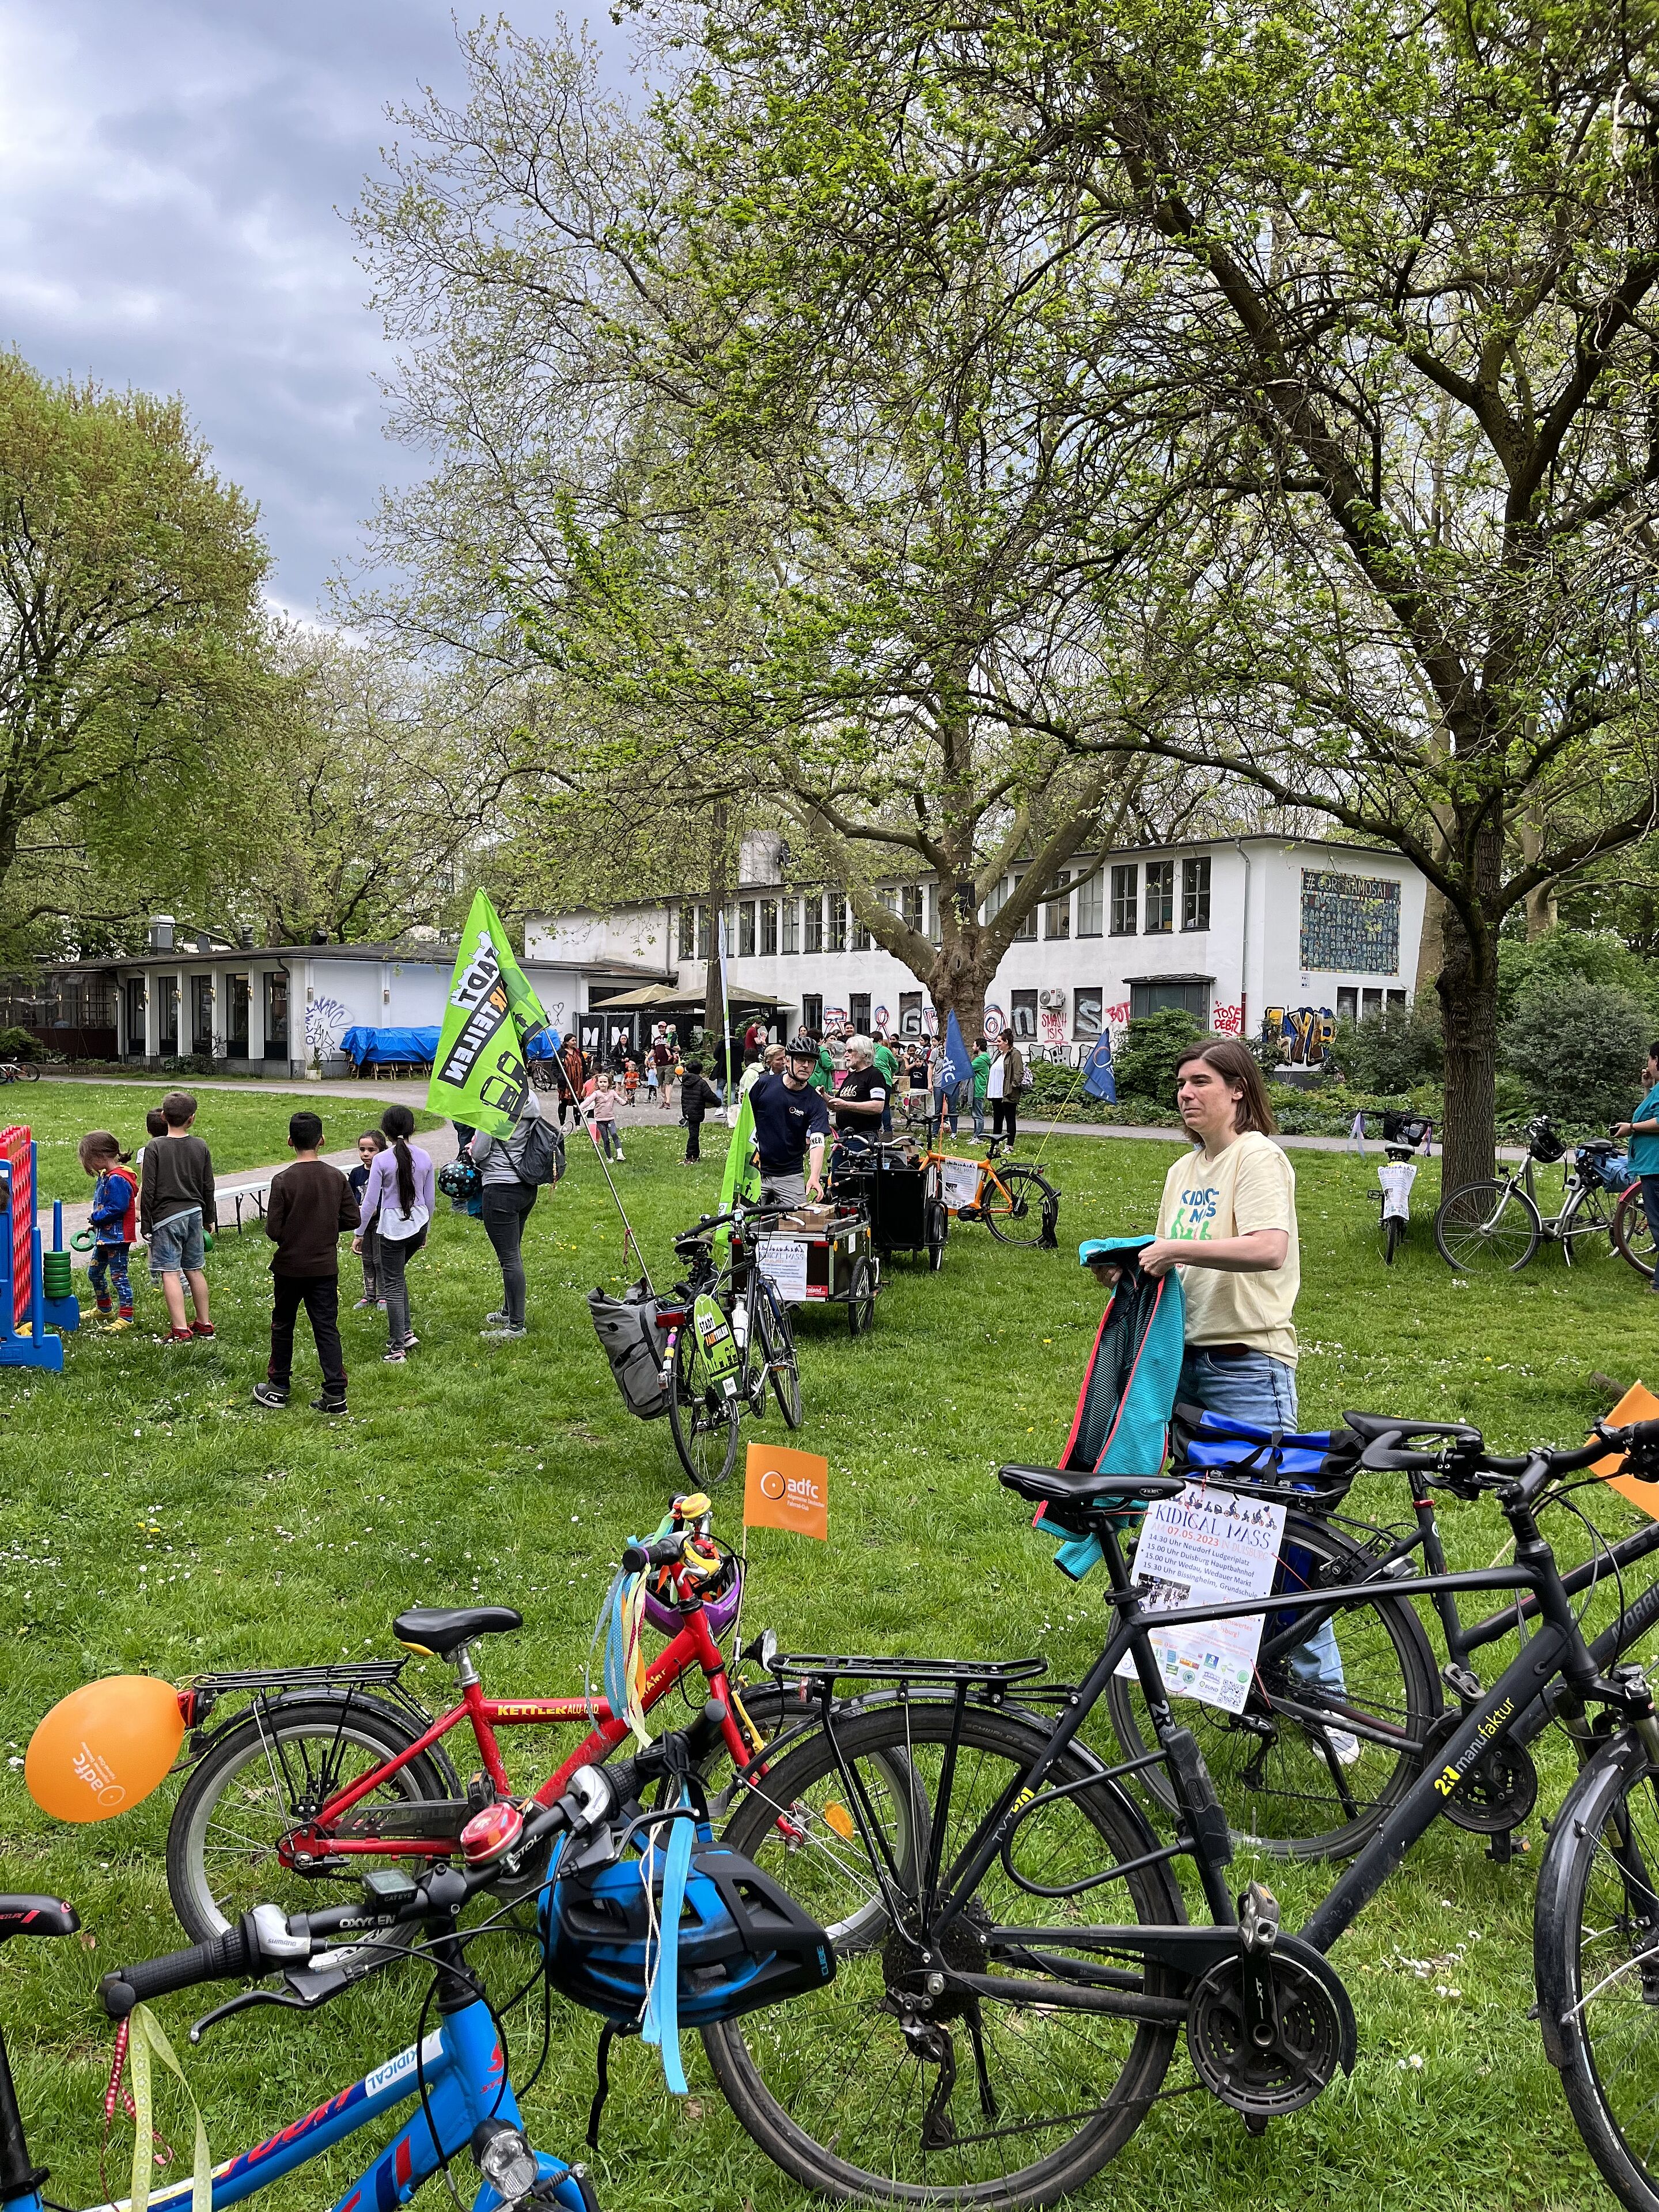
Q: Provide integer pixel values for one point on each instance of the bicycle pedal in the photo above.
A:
(480, 1792)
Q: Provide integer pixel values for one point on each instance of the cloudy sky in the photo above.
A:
(169, 176)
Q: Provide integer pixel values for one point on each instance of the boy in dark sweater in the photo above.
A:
(698, 1096)
(311, 1204)
(176, 1211)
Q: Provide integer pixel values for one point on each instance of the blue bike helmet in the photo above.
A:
(743, 1943)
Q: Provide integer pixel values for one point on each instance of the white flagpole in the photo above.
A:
(726, 1028)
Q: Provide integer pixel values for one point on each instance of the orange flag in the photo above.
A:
(786, 1490)
(1637, 1404)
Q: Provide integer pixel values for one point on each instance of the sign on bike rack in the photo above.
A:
(1207, 1546)
(784, 1258)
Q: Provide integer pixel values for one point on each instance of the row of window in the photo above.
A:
(199, 1015)
(824, 922)
(1088, 1010)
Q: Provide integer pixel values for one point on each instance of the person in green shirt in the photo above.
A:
(1643, 1130)
(887, 1067)
(980, 1064)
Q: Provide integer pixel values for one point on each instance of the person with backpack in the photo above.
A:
(513, 1169)
(397, 1202)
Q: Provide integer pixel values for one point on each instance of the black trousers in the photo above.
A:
(693, 1131)
(1003, 1111)
(320, 1297)
(506, 1204)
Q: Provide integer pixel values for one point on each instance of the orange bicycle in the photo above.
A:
(1017, 1204)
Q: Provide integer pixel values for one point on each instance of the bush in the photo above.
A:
(19, 1045)
(1578, 1048)
(1144, 1065)
(1588, 956)
(1391, 1048)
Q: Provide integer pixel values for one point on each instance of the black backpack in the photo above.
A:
(541, 1159)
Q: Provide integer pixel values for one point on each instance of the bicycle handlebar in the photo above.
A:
(222, 1959)
(1468, 1464)
(655, 1551)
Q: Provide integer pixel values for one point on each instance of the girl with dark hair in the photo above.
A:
(396, 1204)
(370, 1146)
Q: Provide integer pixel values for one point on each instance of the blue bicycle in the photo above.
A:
(459, 2074)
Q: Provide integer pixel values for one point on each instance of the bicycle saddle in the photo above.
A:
(437, 1630)
(36, 1916)
(1370, 1426)
(1076, 1486)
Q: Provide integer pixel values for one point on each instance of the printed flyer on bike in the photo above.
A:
(1206, 1546)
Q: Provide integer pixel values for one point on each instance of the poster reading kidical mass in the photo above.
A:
(1204, 1547)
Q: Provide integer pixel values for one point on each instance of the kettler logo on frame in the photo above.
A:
(786, 1490)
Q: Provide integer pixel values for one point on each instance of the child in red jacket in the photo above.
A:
(113, 1221)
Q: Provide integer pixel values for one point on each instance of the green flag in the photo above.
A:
(742, 1175)
(479, 1074)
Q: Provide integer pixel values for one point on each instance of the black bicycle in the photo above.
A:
(729, 1336)
(1001, 2045)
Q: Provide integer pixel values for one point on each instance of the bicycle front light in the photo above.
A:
(505, 2159)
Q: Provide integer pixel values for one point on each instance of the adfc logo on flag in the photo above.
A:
(786, 1490)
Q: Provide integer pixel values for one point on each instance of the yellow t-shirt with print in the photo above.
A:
(1250, 1185)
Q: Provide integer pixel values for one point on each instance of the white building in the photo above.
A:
(1239, 930)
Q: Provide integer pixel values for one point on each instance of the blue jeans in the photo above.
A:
(1650, 1203)
(1262, 1391)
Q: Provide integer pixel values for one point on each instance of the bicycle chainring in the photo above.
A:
(1291, 2055)
(1497, 1794)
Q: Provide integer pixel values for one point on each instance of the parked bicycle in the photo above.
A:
(1632, 1239)
(729, 1336)
(1015, 1202)
(1404, 1135)
(19, 1071)
(998, 2047)
(328, 1770)
(1493, 1225)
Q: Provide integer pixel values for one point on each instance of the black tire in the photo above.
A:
(1013, 1214)
(1595, 1959)
(27, 1072)
(703, 1422)
(1592, 1220)
(265, 1783)
(1487, 1228)
(861, 1297)
(827, 2085)
(1281, 1778)
(1632, 1240)
(778, 1339)
(1393, 1236)
(936, 1231)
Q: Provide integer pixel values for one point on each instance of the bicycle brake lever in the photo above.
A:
(328, 1985)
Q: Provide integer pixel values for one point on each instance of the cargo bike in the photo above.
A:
(901, 1192)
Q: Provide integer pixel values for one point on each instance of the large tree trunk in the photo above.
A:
(1431, 947)
(1468, 986)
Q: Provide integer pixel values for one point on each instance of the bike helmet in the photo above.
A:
(801, 1048)
(720, 1591)
(460, 1180)
(743, 1943)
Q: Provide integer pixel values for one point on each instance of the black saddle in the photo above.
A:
(437, 1630)
(1078, 1487)
(36, 1916)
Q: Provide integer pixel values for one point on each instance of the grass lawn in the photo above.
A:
(152, 1519)
(240, 1132)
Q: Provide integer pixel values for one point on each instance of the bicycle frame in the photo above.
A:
(693, 1646)
(463, 2069)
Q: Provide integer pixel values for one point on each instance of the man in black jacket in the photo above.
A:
(311, 1205)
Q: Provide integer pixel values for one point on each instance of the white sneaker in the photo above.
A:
(1346, 1747)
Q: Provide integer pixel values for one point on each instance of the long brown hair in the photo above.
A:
(1234, 1062)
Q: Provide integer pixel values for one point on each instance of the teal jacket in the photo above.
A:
(1644, 1150)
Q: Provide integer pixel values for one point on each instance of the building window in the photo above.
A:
(277, 1017)
(1160, 897)
(167, 1014)
(862, 940)
(858, 1008)
(910, 1013)
(1125, 900)
(688, 927)
(201, 1014)
(935, 926)
(1396, 998)
(1153, 995)
(1089, 902)
(910, 906)
(792, 925)
(815, 922)
(746, 930)
(236, 1018)
(1026, 933)
(1087, 1006)
(838, 942)
(1196, 893)
(812, 1012)
(1022, 1013)
(134, 988)
(702, 932)
(1371, 1001)
(768, 926)
(1347, 1004)
(1059, 913)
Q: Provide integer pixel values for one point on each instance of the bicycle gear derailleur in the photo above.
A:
(1268, 2027)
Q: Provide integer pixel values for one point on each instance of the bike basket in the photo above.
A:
(1399, 1128)
(1602, 1165)
(1544, 1142)
(1211, 1446)
(634, 1342)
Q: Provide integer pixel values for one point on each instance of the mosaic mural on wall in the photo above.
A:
(1350, 924)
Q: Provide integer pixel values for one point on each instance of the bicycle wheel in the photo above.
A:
(1487, 1228)
(1012, 1207)
(251, 1786)
(1596, 1958)
(778, 1339)
(987, 2099)
(1393, 1236)
(1632, 1237)
(27, 1072)
(703, 1418)
(1590, 1220)
(1332, 1736)
(861, 1297)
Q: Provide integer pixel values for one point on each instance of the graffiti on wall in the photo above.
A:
(1350, 924)
(326, 1021)
(1051, 1020)
(1302, 1034)
(1227, 1021)
(995, 1019)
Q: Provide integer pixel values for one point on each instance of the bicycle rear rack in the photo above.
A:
(927, 1674)
(360, 1673)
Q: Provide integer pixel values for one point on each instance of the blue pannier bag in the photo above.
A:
(1237, 1451)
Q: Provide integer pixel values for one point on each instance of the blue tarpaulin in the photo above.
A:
(368, 1048)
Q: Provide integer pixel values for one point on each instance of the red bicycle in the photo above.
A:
(329, 1767)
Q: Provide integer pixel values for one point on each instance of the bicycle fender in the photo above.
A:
(1602, 1777)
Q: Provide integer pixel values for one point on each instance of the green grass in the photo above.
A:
(152, 1519)
(241, 1131)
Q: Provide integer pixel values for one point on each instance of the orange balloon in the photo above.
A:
(102, 1749)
